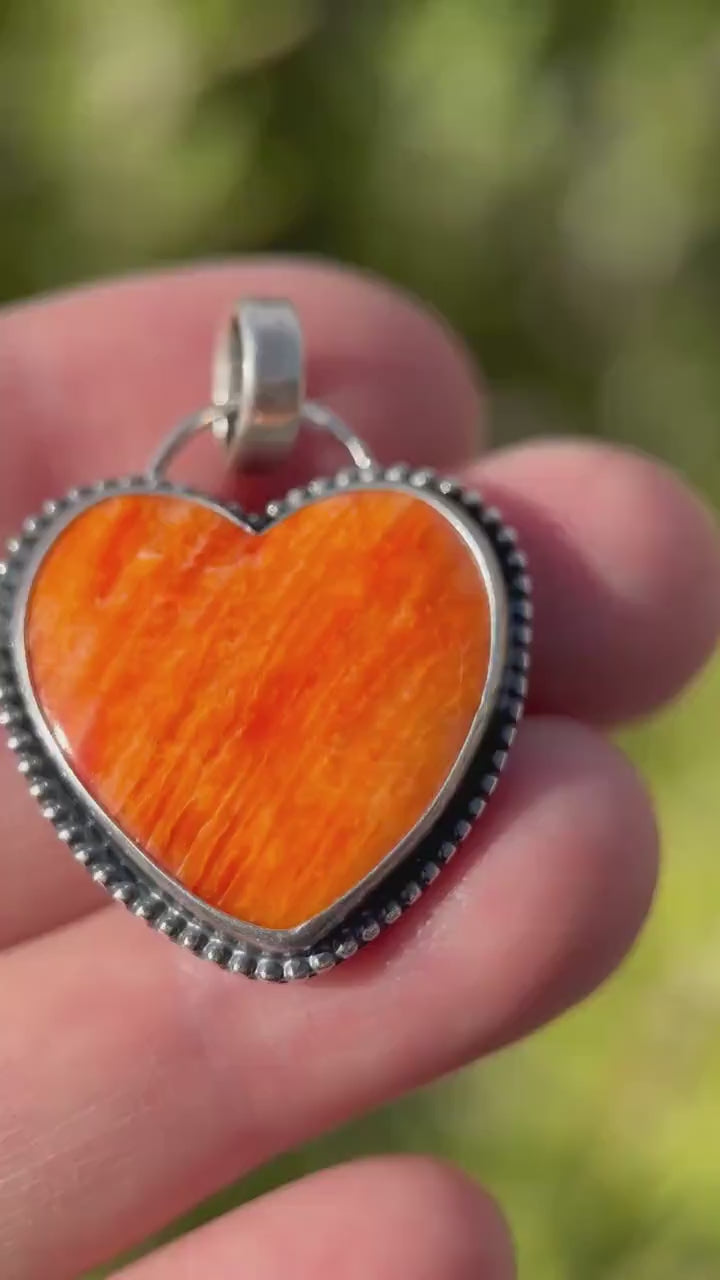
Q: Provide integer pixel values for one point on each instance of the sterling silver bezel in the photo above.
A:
(132, 878)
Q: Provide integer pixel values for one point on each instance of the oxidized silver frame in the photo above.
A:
(134, 879)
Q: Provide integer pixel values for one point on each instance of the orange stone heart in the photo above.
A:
(265, 715)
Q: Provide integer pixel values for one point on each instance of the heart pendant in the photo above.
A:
(266, 734)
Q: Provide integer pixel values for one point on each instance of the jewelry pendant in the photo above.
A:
(265, 735)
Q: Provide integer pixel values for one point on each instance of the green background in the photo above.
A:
(546, 173)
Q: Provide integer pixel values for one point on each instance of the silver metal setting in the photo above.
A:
(134, 879)
(259, 381)
(258, 394)
(314, 415)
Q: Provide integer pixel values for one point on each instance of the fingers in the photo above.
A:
(626, 573)
(154, 1078)
(410, 1218)
(91, 380)
(626, 576)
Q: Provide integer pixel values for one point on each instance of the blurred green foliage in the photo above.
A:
(545, 172)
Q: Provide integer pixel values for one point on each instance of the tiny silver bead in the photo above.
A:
(471, 498)
(397, 473)
(522, 609)
(191, 937)
(519, 659)
(346, 948)
(124, 892)
(240, 961)
(169, 922)
(39, 787)
(369, 930)
(101, 873)
(269, 970)
(52, 810)
(410, 893)
(517, 560)
(147, 906)
(215, 950)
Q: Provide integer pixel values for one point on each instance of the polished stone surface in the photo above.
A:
(266, 716)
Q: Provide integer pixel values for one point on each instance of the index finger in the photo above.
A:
(90, 380)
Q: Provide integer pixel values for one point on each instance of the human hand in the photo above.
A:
(135, 1080)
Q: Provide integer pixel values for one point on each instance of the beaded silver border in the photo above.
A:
(167, 911)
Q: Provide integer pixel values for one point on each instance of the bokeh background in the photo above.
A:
(546, 172)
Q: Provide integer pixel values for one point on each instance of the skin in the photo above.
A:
(134, 1079)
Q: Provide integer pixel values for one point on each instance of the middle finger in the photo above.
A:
(139, 1080)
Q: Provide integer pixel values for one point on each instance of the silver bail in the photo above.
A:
(258, 383)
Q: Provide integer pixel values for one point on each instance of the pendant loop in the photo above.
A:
(258, 392)
(323, 419)
(185, 431)
(259, 382)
